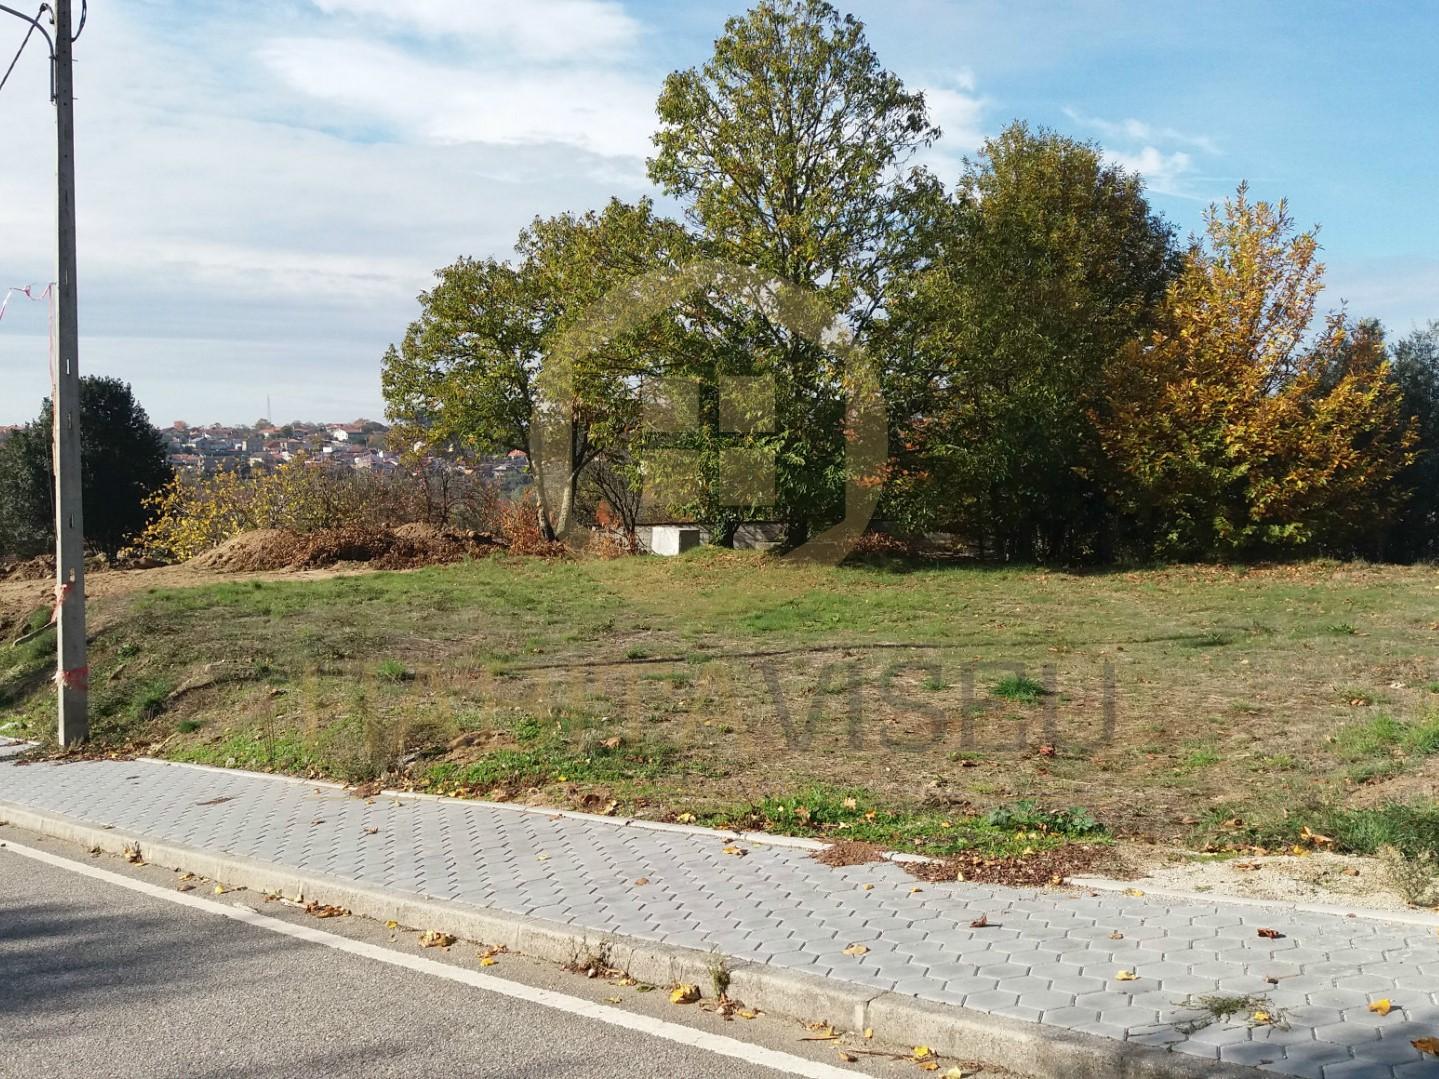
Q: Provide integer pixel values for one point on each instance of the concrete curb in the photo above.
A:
(1041, 1051)
(1279, 906)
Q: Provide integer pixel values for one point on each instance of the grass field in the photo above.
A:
(935, 708)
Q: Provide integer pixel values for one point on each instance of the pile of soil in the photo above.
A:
(405, 547)
(33, 569)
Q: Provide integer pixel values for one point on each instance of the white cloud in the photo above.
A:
(541, 29)
(959, 113)
(1151, 150)
(598, 110)
(1166, 173)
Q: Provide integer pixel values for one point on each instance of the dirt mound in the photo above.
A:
(34, 569)
(265, 548)
(405, 547)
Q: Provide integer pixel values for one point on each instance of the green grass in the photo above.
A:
(1384, 735)
(854, 814)
(1230, 685)
(1019, 688)
(1411, 829)
(393, 671)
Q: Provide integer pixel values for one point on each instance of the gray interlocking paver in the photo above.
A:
(1047, 956)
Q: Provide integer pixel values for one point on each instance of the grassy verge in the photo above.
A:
(736, 688)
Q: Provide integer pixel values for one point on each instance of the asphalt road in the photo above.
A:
(97, 980)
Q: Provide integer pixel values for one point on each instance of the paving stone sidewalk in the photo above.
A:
(1049, 956)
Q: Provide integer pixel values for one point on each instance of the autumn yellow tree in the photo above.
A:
(1234, 429)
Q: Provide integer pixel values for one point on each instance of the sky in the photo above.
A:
(264, 186)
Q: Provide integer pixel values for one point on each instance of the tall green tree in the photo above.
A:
(122, 465)
(466, 375)
(1051, 260)
(1415, 369)
(792, 148)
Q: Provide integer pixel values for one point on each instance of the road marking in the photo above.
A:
(489, 983)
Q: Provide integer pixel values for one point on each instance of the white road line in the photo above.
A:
(545, 998)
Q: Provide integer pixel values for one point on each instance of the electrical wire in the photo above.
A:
(34, 25)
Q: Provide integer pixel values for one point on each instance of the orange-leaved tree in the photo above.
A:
(1237, 430)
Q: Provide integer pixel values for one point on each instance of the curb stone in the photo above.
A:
(1041, 1051)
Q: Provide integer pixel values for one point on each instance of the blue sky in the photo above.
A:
(265, 186)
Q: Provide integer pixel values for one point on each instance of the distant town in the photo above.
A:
(363, 445)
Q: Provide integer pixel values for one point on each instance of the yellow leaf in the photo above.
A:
(686, 818)
(1126, 976)
(1262, 1018)
(488, 961)
(747, 1013)
(922, 1052)
(219, 889)
(392, 924)
(856, 949)
(869, 887)
(1382, 1007)
(433, 938)
(684, 994)
(957, 1072)
(868, 1033)
(1132, 891)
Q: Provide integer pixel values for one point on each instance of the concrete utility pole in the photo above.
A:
(73, 676)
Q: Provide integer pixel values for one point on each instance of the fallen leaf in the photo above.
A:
(392, 924)
(738, 852)
(371, 830)
(848, 1058)
(1262, 1018)
(923, 1052)
(220, 889)
(914, 891)
(850, 803)
(488, 961)
(1126, 976)
(1133, 891)
(642, 880)
(684, 994)
(856, 949)
(1271, 934)
(1427, 1045)
(325, 910)
(957, 1072)
(869, 887)
(611, 743)
(980, 923)
(1350, 871)
(613, 1000)
(686, 818)
(929, 1066)
(1116, 935)
(433, 938)
(747, 1013)
(184, 887)
(868, 1033)
(1381, 1007)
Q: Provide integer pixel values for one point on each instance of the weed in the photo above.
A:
(719, 973)
(1414, 877)
(1019, 688)
(149, 700)
(1223, 1007)
(1341, 629)
(637, 653)
(188, 726)
(393, 671)
(1075, 823)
